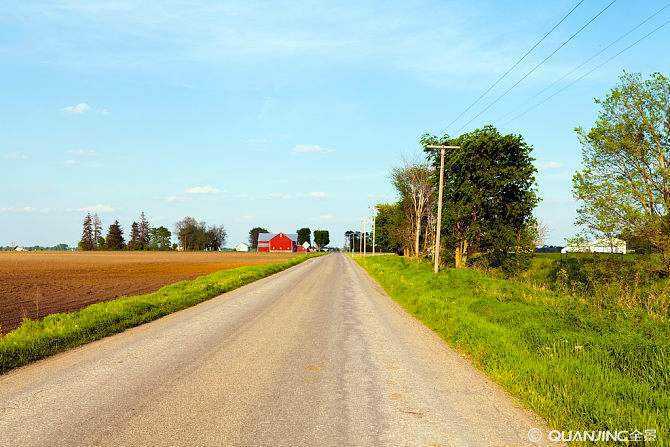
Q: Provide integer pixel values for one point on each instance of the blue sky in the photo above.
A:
(278, 114)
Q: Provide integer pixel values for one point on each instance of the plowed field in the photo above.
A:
(35, 284)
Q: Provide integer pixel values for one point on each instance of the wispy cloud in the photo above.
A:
(176, 199)
(551, 165)
(18, 209)
(15, 155)
(311, 149)
(326, 216)
(207, 189)
(99, 208)
(77, 109)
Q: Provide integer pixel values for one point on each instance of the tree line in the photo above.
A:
(489, 197)
(191, 235)
(321, 237)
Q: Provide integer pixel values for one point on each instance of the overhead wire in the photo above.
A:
(509, 70)
(539, 64)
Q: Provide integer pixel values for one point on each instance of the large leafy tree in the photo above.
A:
(194, 235)
(159, 238)
(489, 196)
(304, 235)
(624, 185)
(253, 236)
(390, 231)
(321, 238)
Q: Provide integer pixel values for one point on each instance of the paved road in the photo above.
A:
(315, 355)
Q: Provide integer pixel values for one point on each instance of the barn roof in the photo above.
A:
(265, 237)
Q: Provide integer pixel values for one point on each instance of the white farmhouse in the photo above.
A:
(242, 247)
(600, 245)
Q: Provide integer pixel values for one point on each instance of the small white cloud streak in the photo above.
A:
(99, 208)
(311, 149)
(202, 190)
(77, 109)
(15, 155)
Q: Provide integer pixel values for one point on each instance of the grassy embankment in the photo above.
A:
(34, 340)
(578, 365)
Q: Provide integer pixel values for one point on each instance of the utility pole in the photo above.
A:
(360, 239)
(438, 230)
(374, 228)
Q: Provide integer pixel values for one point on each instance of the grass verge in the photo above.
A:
(34, 340)
(579, 367)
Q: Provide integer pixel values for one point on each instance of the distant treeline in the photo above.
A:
(191, 235)
(58, 247)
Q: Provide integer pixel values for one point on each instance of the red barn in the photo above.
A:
(280, 242)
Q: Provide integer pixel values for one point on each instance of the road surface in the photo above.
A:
(314, 355)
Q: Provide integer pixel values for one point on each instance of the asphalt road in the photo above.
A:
(315, 355)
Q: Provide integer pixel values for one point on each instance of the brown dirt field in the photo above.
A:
(35, 284)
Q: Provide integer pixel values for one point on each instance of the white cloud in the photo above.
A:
(311, 149)
(202, 190)
(82, 152)
(551, 165)
(317, 195)
(327, 216)
(77, 109)
(17, 209)
(176, 199)
(71, 162)
(99, 208)
(15, 155)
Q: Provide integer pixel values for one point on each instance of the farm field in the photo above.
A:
(35, 284)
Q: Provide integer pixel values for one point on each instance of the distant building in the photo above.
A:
(305, 247)
(280, 242)
(601, 245)
(20, 249)
(242, 247)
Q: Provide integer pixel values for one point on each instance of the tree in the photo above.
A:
(489, 196)
(321, 238)
(87, 241)
(97, 233)
(215, 238)
(143, 232)
(114, 239)
(134, 243)
(390, 227)
(253, 236)
(624, 185)
(159, 238)
(304, 235)
(414, 182)
(194, 235)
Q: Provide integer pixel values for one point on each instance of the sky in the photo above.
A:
(281, 114)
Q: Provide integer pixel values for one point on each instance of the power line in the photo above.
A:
(589, 72)
(610, 45)
(575, 34)
(500, 78)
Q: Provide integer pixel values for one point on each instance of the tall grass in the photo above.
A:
(580, 366)
(34, 340)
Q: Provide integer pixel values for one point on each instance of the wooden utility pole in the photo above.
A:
(438, 230)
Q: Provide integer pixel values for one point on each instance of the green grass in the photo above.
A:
(34, 340)
(577, 366)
